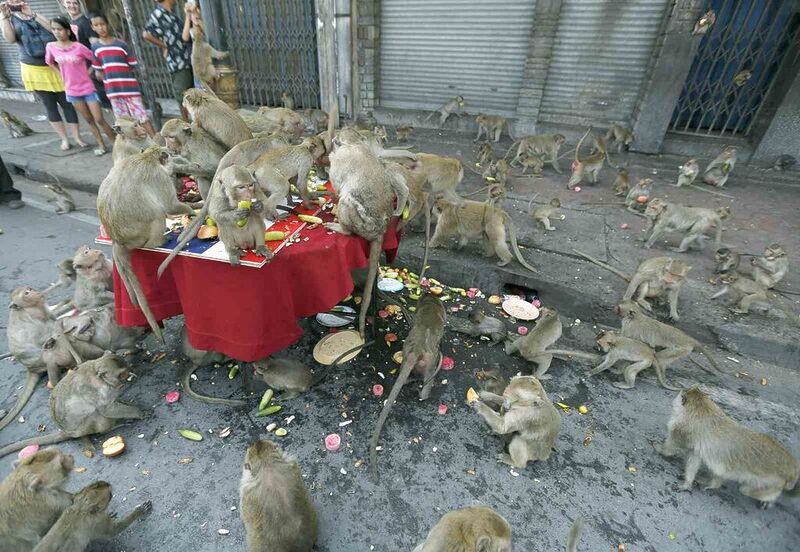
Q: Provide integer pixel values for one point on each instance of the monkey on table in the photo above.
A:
(699, 430)
(198, 147)
(215, 117)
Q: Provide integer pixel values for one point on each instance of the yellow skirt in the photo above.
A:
(43, 78)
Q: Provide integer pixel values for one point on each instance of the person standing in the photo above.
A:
(82, 27)
(9, 194)
(72, 59)
(165, 30)
(30, 32)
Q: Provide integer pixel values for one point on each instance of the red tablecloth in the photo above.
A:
(250, 313)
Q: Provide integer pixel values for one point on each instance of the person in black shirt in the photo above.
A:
(82, 27)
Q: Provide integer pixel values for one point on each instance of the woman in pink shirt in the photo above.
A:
(73, 60)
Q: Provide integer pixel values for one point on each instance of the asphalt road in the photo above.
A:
(603, 467)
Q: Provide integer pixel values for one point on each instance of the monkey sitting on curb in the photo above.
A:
(699, 430)
(527, 415)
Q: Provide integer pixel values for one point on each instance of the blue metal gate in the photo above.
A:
(735, 66)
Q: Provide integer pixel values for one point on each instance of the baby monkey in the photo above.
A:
(542, 213)
(687, 173)
(621, 135)
(699, 430)
(726, 261)
(771, 267)
(477, 528)
(283, 374)
(745, 292)
(87, 520)
(482, 325)
(403, 133)
(639, 194)
(622, 182)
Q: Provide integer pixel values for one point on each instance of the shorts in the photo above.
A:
(182, 81)
(129, 106)
(93, 97)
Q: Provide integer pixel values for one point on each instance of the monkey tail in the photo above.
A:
(577, 354)
(186, 382)
(710, 359)
(511, 148)
(122, 259)
(659, 368)
(339, 360)
(52, 439)
(189, 232)
(5, 356)
(580, 143)
(515, 247)
(405, 371)
(427, 237)
(372, 274)
(574, 535)
(531, 201)
(601, 264)
(24, 397)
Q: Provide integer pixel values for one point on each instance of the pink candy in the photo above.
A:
(333, 442)
(442, 409)
(377, 389)
(172, 397)
(472, 293)
(522, 330)
(624, 226)
(576, 189)
(536, 303)
(28, 451)
(447, 363)
(383, 314)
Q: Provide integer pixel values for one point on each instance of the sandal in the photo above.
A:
(100, 151)
(65, 146)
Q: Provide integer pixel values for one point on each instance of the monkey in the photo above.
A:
(694, 222)
(197, 359)
(474, 528)
(275, 506)
(257, 123)
(617, 347)
(283, 374)
(367, 192)
(653, 278)
(403, 133)
(352, 135)
(526, 413)
(450, 107)
(203, 55)
(485, 154)
(442, 174)
(589, 167)
(621, 183)
(85, 402)
(704, 23)
(771, 267)
(473, 220)
(493, 380)
(314, 120)
(86, 520)
(745, 291)
(215, 117)
(66, 276)
(94, 279)
(99, 327)
(282, 119)
(245, 153)
(500, 172)
(533, 345)
(491, 125)
(701, 431)
(133, 216)
(726, 261)
(66, 349)
(542, 213)
(534, 162)
(482, 325)
(495, 194)
(619, 134)
(720, 168)
(641, 189)
(687, 173)
(287, 101)
(417, 196)
(422, 355)
(32, 498)
(196, 146)
(380, 133)
(16, 128)
(131, 138)
(30, 325)
(674, 343)
(546, 145)
(62, 198)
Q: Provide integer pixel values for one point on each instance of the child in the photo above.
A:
(113, 63)
(70, 57)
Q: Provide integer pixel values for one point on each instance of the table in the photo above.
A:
(249, 313)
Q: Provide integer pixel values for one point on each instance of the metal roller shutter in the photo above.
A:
(432, 50)
(9, 53)
(600, 59)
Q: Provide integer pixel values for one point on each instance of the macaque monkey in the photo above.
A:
(403, 133)
(533, 346)
(314, 120)
(493, 380)
(482, 325)
(373, 139)
(589, 167)
(450, 107)
(286, 120)
(726, 261)
(245, 153)
(526, 415)
(274, 505)
(380, 133)
(16, 128)
(133, 216)
(641, 190)
(687, 173)
(532, 161)
(705, 22)
(619, 134)
(94, 279)
(32, 498)
(694, 222)
(369, 196)
(500, 170)
(719, 169)
(744, 290)
(621, 184)
(485, 154)
(674, 344)
(442, 175)
(282, 374)
(203, 56)
(640, 355)
(65, 350)
(417, 196)
(30, 325)
(197, 147)
(131, 138)
(699, 430)
(215, 117)
(542, 213)
(491, 125)
(99, 327)
(421, 355)
(771, 267)
(287, 101)
(62, 198)
(87, 520)
(85, 402)
(477, 528)
(546, 145)
(198, 358)
(655, 277)
(495, 193)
